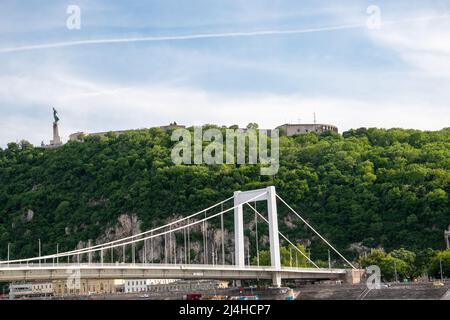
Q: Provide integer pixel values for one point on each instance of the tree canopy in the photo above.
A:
(374, 187)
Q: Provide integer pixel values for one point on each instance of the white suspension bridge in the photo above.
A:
(61, 265)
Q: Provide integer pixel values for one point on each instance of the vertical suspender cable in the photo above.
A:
(144, 258)
(133, 252)
(169, 252)
(290, 257)
(90, 253)
(185, 246)
(174, 247)
(165, 248)
(223, 235)
(151, 248)
(317, 233)
(256, 236)
(212, 253)
(285, 238)
(189, 242)
(204, 241)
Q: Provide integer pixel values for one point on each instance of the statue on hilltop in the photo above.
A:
(55, 115)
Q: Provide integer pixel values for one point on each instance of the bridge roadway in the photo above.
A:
(46, 272)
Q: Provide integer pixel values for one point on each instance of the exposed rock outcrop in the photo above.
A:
(30, 215)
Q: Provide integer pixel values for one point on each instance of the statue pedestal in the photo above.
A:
(56, 138)
(56, 142)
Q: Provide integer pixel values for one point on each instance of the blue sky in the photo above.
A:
(396, 76)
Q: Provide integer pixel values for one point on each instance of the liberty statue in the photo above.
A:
(56, 142)
(55, 115)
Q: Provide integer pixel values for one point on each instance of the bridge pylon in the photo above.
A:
(268, 194)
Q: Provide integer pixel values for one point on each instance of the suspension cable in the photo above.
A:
(285, 238)
(317, 233)
(148, 231)
(108, 245)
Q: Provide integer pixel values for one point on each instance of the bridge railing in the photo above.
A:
(51, 266)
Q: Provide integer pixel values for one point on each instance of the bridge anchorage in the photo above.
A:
(109, 260)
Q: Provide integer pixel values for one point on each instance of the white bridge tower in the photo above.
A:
(268, 194)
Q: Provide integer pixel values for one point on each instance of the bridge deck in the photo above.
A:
(159, 271)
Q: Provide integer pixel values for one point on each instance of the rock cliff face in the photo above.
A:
(185, 247)
(127, 225)
(182, 246)
(30, 215)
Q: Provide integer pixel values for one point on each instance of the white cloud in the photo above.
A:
(424, 44)
(30, 89)
(89, 106)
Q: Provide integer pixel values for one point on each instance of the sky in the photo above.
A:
(138, 64)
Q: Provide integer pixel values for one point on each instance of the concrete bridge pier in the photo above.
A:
(276, 279)
(353, 276)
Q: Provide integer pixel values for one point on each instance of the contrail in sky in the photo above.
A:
(206, 35)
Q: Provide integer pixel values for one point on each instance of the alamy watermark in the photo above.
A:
(233, 149)
(73, 21)
(374, 279)
(74, 279)
(374, 21)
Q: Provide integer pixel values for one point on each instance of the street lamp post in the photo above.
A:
(290, 253)
(39, 252)
(395, 270)
(329, 259)
(90, 253)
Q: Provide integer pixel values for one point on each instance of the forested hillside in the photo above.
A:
(371, 187)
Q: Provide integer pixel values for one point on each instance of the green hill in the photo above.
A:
(387, 188)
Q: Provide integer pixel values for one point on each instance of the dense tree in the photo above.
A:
(375, 187)
(290, 257)
(403, 264)
(440, 259)
(392, 267)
